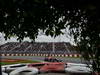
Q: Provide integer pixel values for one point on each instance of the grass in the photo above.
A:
(17, 62)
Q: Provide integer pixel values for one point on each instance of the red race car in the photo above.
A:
(49, 66)
(52, 59)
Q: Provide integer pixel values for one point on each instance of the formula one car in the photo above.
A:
(51, 59)
(49, 66)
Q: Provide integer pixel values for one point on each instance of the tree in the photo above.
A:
(25, 18)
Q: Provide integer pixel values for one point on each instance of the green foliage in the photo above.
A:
(24, 18)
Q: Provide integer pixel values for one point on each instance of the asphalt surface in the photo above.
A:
(39, 58)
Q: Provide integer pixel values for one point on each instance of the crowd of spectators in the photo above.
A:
(37, 48)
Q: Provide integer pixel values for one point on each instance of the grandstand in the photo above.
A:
(37, 48)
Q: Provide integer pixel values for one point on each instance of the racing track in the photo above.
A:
(64, 59)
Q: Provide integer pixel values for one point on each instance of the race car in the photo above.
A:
(52, 59)
(49, 66)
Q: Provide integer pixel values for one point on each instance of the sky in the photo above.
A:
(40, 38)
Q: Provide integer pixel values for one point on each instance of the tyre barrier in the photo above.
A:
(57, 55)
(78, 70)
(77, 64)
(25, 71)
(9, 68)
(3, 73)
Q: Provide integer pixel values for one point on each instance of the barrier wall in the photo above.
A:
(57, 55)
